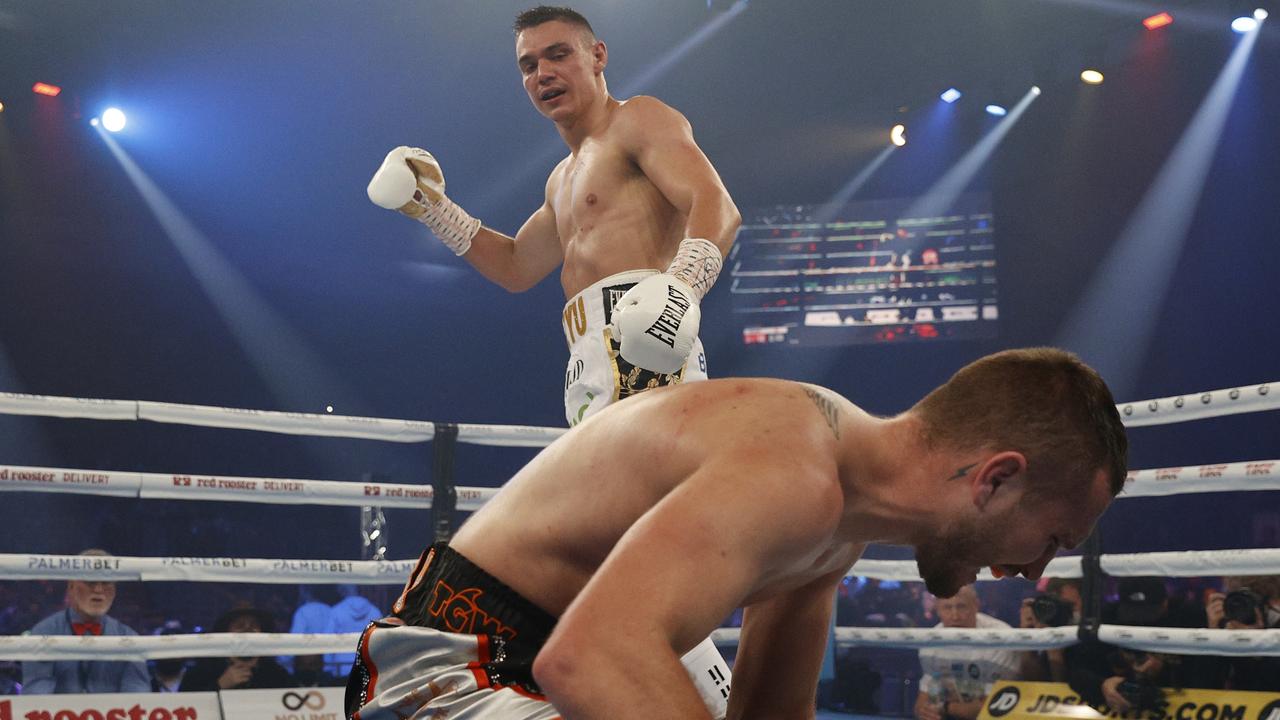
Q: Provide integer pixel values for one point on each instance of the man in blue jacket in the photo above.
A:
(85, 614)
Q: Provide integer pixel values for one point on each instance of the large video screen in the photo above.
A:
(866, 272)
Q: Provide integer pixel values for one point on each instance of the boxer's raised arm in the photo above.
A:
(410, 181)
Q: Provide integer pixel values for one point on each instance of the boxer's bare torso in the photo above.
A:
(735, 442)
(609, 215)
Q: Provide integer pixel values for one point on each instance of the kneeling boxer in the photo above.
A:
(567, 597)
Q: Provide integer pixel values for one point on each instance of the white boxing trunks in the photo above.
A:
(596, 375)
(427, 673)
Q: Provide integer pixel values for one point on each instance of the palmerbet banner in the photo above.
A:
(1047, 701)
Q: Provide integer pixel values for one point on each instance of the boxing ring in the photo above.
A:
(442, 497)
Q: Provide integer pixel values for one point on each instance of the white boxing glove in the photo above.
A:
(411, 182)
(656, 323)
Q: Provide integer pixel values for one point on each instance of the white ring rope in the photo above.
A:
(239, 570)
(148, 647)
(15, 566)
(1226, 477)
(289, 423)
(1180, 641)
(1197, 406)
(1194, 563)
(1178, 408)
(280, 491)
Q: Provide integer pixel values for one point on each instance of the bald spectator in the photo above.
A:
(955, 681)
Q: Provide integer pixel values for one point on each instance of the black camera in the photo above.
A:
(1051, 611)
(1141, 695)
(1243, 605)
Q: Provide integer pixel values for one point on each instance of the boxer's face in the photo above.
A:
(559, 63)
(1020, 541)
(91, 599)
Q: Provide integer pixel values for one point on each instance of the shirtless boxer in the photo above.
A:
(635, 195)
(739, 493)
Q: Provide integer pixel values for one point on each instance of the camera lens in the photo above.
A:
(1242, 606)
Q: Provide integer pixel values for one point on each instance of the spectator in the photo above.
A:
(1124, 680)
(1058, 605)
(10, 674)
(311, 617)
(309, 671)
(87, 604)
(1251, 603)
(351, 615)
(955, 681)
(238, 673)
(166, 673)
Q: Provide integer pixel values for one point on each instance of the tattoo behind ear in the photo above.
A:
(961, 472)
(828, 409)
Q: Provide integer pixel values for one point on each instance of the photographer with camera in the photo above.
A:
(1250, 603)
(1057, 606)
(1126, 680)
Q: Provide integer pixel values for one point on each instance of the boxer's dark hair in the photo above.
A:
(1042, 402)
(546, 13)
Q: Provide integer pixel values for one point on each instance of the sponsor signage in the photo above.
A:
(284, 704)
(122, 706)
(1043, 701)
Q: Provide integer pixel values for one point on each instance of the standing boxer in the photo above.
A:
(635, 194)
(635, 217)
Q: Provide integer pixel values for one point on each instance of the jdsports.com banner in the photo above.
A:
(1054, 701)
(282, 704)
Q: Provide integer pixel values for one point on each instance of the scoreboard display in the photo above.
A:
(867, 272)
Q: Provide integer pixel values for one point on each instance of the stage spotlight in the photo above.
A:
(1259, 14)
(113, 120)
(94, 122)
(46, 89)
(1158, 21)
(1035, 89)
(898, 135)
(951, 95)
(997, 110)
(1244, 24)
(1, 107)
(1093, 77)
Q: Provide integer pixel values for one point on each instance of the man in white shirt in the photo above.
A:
(955, 681)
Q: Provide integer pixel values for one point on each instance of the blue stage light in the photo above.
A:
(113, 120)
(1244, 24)
(951, 95)
(997, 110)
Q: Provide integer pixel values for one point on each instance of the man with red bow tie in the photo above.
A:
(85, 614)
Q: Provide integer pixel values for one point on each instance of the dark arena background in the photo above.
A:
(184, 226)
